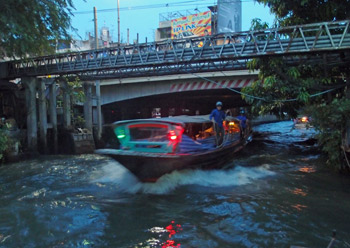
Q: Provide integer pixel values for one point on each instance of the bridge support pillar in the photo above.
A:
(347, 125)
(53, 112)
(32, 125)
(99, 113)
(88, 106)
(42, 116)
(67, 122)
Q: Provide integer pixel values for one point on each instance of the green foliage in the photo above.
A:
(293, 73)
(3, 143)
(79, 121)
(77, 96)
(282, 88)
(257, 24)
(32, 27)
(330, 119)
(292, 12)
(75, 90)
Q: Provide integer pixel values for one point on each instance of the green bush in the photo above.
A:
(3, 143)
(330, 119)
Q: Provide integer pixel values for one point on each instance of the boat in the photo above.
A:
(151, 148)
(302, 122)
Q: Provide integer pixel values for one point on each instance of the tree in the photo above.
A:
(278, 83)
(291, 12)
(77, 96)
(32, 27)
(3, 143)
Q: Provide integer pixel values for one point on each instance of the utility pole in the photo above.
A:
(96, 31)
(118, 25)
(128, 35)
(98, 93)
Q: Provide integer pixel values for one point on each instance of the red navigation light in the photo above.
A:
(172, 135)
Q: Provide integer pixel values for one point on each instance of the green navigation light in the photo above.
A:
(121, 136)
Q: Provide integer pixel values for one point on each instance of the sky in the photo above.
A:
(142, 16)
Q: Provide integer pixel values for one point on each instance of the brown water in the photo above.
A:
(276, 193)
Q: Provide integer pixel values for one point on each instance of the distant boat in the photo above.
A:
(151, 148)
(302, 122)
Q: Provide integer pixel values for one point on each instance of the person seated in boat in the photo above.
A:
(218, 116)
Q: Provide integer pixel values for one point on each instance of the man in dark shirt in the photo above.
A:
(219, 116)
(243, 120)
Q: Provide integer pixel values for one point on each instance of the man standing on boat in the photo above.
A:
(219, 116)
(243, 120)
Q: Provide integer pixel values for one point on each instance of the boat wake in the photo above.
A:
(114, 173)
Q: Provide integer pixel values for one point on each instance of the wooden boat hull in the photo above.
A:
(148, 167)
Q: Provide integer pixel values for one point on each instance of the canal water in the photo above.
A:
(276, 193)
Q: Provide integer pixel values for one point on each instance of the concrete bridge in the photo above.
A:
(136, 97)
(115, 90)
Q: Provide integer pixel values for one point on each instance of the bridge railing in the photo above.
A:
(318, 37)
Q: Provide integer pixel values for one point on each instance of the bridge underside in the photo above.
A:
(173, 95)
(113, 91)
(179, 103)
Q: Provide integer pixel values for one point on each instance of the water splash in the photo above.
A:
(113, 172)
(284, 133)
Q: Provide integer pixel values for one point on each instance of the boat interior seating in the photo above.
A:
(188, 145)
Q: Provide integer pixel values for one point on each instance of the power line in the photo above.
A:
(231, 89)
(263, 99)
(140, 7)
(153, 6)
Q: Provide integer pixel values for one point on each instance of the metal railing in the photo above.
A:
(219, 52)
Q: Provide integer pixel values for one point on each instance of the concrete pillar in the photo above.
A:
(88, 106)
(53, 113)
(42, 116)
(99, 113)
(32, 125)
(347, 124)
(67, 122)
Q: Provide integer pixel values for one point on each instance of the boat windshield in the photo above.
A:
(149, 132)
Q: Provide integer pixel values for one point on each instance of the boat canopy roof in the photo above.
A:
(178, 120)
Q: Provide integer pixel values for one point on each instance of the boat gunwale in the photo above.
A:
(164, 155)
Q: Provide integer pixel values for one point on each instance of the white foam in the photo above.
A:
(113, 172)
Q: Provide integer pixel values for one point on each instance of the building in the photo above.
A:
(104, 40)
(222, 18)
(229, 16)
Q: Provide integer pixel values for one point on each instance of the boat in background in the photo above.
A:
(302, 122)
(150, 148)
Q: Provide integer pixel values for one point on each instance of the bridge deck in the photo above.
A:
(220, 52)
